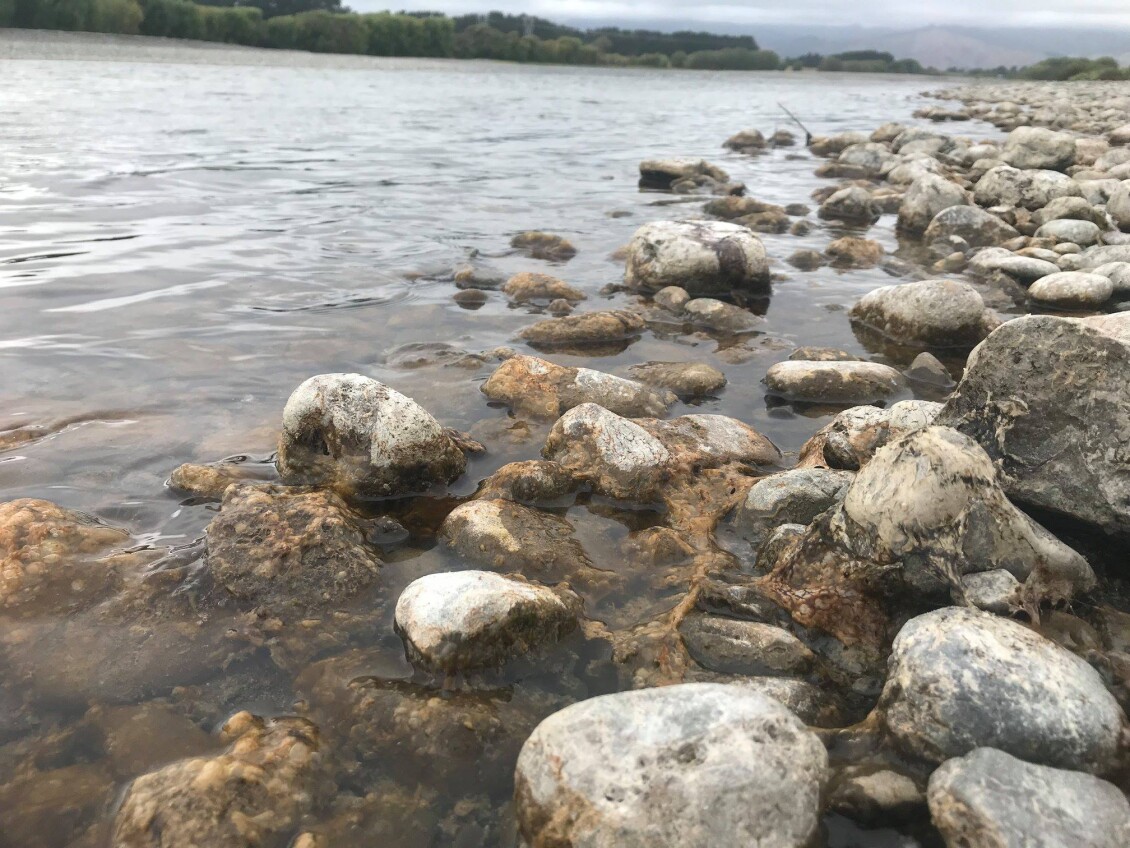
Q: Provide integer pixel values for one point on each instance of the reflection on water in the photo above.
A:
(185, 243)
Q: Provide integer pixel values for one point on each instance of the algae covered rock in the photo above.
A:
(462, 620)
(590, 329)
(527, 286)
(363, 438)
(695, 765)
(703, 257)
(541, 245)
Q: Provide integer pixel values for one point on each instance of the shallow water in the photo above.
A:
(183, 242)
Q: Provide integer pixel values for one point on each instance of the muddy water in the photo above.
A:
(184, 241)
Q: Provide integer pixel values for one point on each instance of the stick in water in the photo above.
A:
(796, 120)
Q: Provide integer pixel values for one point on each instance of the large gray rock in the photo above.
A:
(1005, 186)
(1118, 206)
(1037, 147)
(459, 620)
(697, 765)
(1070, 208)
(927, 196)
(1119, 275)
(542, 389)
(363, 438)
(852, 204)
(961, 679)
(978, 227)
(934, 313)
(703, 257)
(988, 799)
(1072, 290)
(792, 497)
(1049, 401)
(870, 156)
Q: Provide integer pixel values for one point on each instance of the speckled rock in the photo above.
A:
(852, 204)
(928, 370)
(962, 679)
(703, 257)
(1037, 147)
(589, 328)
(1072, 290)
(1119, 275)
(460, 620)
(663, 173)
(363, 438)
(993, 591)
(1019, 399)
(1070, 208)
(547, 246)
(1025, 269)
(854, 252)
(978, 227)
(695, 765)
(988, 799)
(1082, 233)
(210, 481)
(542, 389)
(253, 794)
(1027, 189)
(688, 380)
(926, 510)
(934, 313)
(720, 317)
(282, 549)
(526, 286)
(850, 440)
(672, 298)
(792, 497)
(733, 646)
(833, 382)
(927, 196)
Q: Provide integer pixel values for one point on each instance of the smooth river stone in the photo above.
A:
(833, 382)
(936, 313)
(1072, 290)
(703, 257)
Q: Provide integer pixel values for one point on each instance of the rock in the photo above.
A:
(732, 207)
(1019, 400)
(988, 799)
(52, 559)
(1039, 148)
(209, 481)
(694, 765)
(1024, 269)
(962, 679)
(1104, 254)
(925, 511)
(663, 173)
(703, 257)
(870, 156)
(976, 226)
(1069, 208)
(876, 798)
(255, 793)
(460, 620)
(1121, 135)
(853, 252)
(782, 138)
(852, 204)
(634, 459)
(824, 354)
(927, 196)
(853, 436)
(1119, 275)
(825, 145)
(470, 298)
(791, 497)
(993, 591)
(541, 245)
(541, 389)
(525, 287)
(510, 537)
(1005, 186)
(1118, 206)
(833, 382)
(806, 260)
(1083, 233)
(934, 313)
(559, 308)
(810, 703)
(42, 809)
(720, 317)
(747, 141)
(688, 380)
(535, 482)
(1072, 290)
(363, 438)
(928, 370)
(732, 646)
(281, 549)
(587, 329)
(672, 298)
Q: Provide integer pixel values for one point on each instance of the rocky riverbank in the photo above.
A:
(915, 628)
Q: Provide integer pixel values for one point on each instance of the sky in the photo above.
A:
(875, 13)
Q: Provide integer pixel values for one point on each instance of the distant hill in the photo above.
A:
(939, 46)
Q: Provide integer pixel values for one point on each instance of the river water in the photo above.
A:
(186, 234)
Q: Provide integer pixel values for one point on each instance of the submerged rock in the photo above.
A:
(587, 329)
(209, 481)
(733, 646)
(695, 765)
(541, 245)
(526, 286)
(833, 382)
(281, 548)
(363, 438)
(988, 799)
(962, 679)
(720, 317)
(688, 380)
(703, 257)
(791, 497)
(255, 793)
(1020, 399)
(853, 252)
(462, 620)
(539, 388)
(925, 511)
(934, 313)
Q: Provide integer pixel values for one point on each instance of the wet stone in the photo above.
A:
(527, 286)
(588, 329)
(806, 260)
(852, 205)
(833, 382)
(734, 646)
(823, 354)
(534, 482)
(934, 313)
(720, 317)
(539, 245)
(672, 298)
(462, 620)
(688, 380)
(928, 370)
(978, 227)
(703, 257)
(210, 481)
(853, 252)
(796, 496)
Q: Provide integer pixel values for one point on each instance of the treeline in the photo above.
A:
(1059, 69)
(325, 26)
(858, 61)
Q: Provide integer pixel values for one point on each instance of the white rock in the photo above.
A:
(1037, 148)
(1082, 233)
(1072, 290)
(703, 257)
(833, 382)
(926, 197)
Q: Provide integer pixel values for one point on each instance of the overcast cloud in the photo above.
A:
(876, 13)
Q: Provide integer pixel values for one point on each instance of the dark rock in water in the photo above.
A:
(588, 329)
(1019, 399)
(283, 549)
(987, 795)
(934, 313)
(210, 481)
(684, 176)
(363, 438)
(853, 204)
(962, 679)
(743, 647)
(806, 260)
(461, 620)
(928, 370)
(541, 245)
(746, 141)
(703, 257)
(253, 794)
(45, 808)
(729, 208)
(853, 252)
(539, 388)
(676, 765)
(471, 298)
